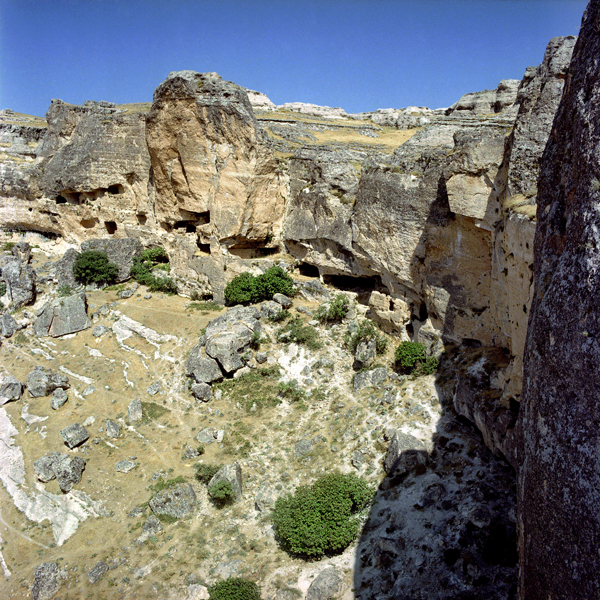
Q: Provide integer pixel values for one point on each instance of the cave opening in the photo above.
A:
(308, 270)
(88, 223)
(362, 286)
(142, 218)
(204, 247)
(115, 189)
(187, 226)
(61, 199)
(257, 252)
(167, 226)
(111, 226)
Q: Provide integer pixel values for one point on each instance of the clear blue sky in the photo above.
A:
(357, 54)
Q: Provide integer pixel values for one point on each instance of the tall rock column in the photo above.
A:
(559, 473)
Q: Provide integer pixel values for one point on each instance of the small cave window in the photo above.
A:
(204, 248)
(88, 223)
(115, 189)
(308, 270)
(141, 218)
(61, 200)
(391, 306)
(167, 227)
(111, 226)
(187, 225)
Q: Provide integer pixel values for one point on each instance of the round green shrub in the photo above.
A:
(234, 588)
(322, 518)
(93, 266)
(222, 492)
(141, 270)
(241, 290)
(336, 311)
(410, 356)
(367, 331)
(245, 288)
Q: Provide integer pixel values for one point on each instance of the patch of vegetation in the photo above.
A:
(204, 473)
(366, 331)
(204, 306)
(292, 391)
(7, 246)
(115, 288)
(64, 290)
(248, 289)
(322, 518)
(296, 331)
(152, 411)
(411, 358)
(335, 311)
(141, 270)
(93, 266)
(234, 588)
(2, 288)
(222, 492)
(164, 484)
(259, 387)
(282, 315)
(167, 519)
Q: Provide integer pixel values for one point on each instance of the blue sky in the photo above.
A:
(357, 54)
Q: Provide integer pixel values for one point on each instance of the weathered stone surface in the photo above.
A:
(372, 378)
(68, 470)
(151, 527)
(8, 325)
(64, 268)
(283, 300)
(112, 429)
(154, 388)
(404, 453)
(59, 397)
(100, 330)
(20, 282)
(22, 251)
(74, 435)
(232, 474)
(202, 368)
(97, 572)
(327, 584)
(266, 497)
(46, 581)
(119, 251)
(202, 391)
(125, 466)
(558, 477)
(365, 353)
(44, 467)
(134, 410)
(63, 316)
(40, 382)
(10, 388)
(270, 309)
(489, 101)
(178, 501)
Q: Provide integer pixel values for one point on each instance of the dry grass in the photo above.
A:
(519, 203)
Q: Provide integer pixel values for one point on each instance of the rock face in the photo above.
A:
(46, 581)
(63, 316)
(178, 501)
(40, 382)
(20, 282)
(559, 482)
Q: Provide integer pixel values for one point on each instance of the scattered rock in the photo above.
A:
(59, 397)
(100, 330)
(372, 378)
(303, 448)
(151, 527)
(232, 474)
(270, 309)
(112, 429)
(8, 326)
(89, 390)
(62, 317)
(365, 353)
(125, 466)
(74, 435)
(154, 388)
(40, 382)
(283, 300)
(261, 358)
(210, 435)
(10, 389)
(178, 501)
(265, 498)
(46, 581)
(202, 368)
(404, 453)
(97, 571)
(124, 294)
(328, 584)
(134, 410)
(68, 470)
(44, 467)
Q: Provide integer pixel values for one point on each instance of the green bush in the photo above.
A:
(234, 588)
(337, 310)
(296, 331)
(322, 518)
(411, 358)
(65, 290)
(248, 289)
(141, 270)
(282, 315)
(204, 473)
(93, 266)
(222, 492)
(367, 331)
(2, 288)
(291, 390)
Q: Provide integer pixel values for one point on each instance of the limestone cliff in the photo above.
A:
(559, 483)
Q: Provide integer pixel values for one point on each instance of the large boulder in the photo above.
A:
(20, 282)
(327, 584)
(8, 325)
(63, 316)
(233, 475)
(202, 368)
(41, 382)
(119, 251)
(178, 501)
(63, 268)
(404, 453)
(10, 388)
(46, 581)
(65, 469)
(558, 477)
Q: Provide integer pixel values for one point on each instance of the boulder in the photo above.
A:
(210, 435)
(202, 391)
(265, 498)
(151, 527)
(68, 470)
(270, 309)
(20, 282)
(178, 501)
(40, 382)
(112, 429)
(372, 378)
(327, 584)
(154, 388)
(74, 435)
(283, 300)
(44, 467)
(64, 269)
(46, 581)
(404, 453)
(125, 466)
(366, 350)
(62, 316)
(22, 251)
(8, 325)
(202, 368)
(10, 389)
(231, 473)
(134, 410)
(119, 251)
(97, 572)
(59, 397)
(100, 330)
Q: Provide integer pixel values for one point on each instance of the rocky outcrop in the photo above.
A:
(63, 316)
(20, 282)
(558, 477)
